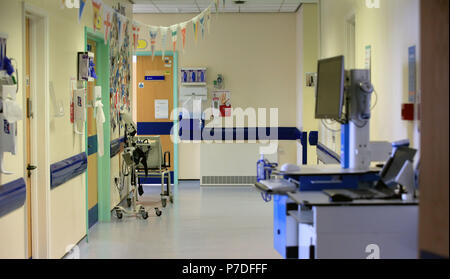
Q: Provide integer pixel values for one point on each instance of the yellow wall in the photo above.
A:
(12, 226)
(67, 202)
(307, 56)
(390, 30)
(256, 55)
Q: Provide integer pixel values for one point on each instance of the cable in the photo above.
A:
(360, 126)
(328, 128)
(376, 100)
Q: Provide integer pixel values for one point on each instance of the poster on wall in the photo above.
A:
(161, 109)
(412, 90)
(221, 101)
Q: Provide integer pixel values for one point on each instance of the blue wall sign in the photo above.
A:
(155, 78)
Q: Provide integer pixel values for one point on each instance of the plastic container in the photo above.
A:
(184, 76)
(193, 74)
(264, 169)
(260, 169)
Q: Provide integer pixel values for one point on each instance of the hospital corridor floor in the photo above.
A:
(203, 223)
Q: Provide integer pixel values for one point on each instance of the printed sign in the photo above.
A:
(152, 78)
(161, 109)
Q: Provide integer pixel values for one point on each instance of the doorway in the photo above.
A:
(92, 146)
(156, 85)
(98, 186)
(35, 84)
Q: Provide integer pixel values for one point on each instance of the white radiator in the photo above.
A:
(234, 164)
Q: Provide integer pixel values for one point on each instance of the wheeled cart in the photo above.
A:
(132, 196)
(166, 192)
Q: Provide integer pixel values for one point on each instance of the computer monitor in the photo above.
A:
(395, 164)
(330, 88)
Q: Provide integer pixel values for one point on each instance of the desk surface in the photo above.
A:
(327, 170)
(321, 199)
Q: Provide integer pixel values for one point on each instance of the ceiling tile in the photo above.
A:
(194, 6)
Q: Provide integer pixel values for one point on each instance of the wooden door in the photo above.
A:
(28, 133)
(434, 175)
(92, 146)
(154, 79)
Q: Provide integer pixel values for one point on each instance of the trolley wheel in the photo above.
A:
(119, 214)
(158, 212)
(145, 215)
(164, 202)
(171, 199)
(129, 202)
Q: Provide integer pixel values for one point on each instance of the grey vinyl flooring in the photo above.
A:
(203, 223)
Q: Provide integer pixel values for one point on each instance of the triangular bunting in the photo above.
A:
(183, 27)
(107, 22)
(153, 34)
(164, 31)
(136, 30)
(195, 26)
(97, 6)
(174, 33)
(81, 9)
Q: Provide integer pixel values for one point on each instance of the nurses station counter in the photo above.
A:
(385, 229)
(308, 225)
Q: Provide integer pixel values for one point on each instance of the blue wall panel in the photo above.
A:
(12, 196)
(64, 171)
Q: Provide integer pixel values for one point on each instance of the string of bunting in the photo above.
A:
(103, 15)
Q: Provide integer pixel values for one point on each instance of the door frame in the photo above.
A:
(175, 100)
(103, 163)
(40, 131)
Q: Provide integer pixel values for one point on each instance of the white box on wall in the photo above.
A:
(187, 92)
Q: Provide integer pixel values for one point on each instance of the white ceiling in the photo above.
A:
(196, 6)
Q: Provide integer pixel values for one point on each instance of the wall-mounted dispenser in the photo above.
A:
(86, 66)
(10, 110)
(79, 110)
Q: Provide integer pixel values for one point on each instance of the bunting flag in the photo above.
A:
(124, 30)
(153, 35)
(208, 20)
(81, 9)
(183, 33)
(195, 25)
(164, 31)
(136, 30)
(107, 23)
(202, 26)
(174, 32)
(97, 6)
(216, 4)
(119, 27)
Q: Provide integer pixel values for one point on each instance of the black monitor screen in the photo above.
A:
(395, 164)
(330, 88)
